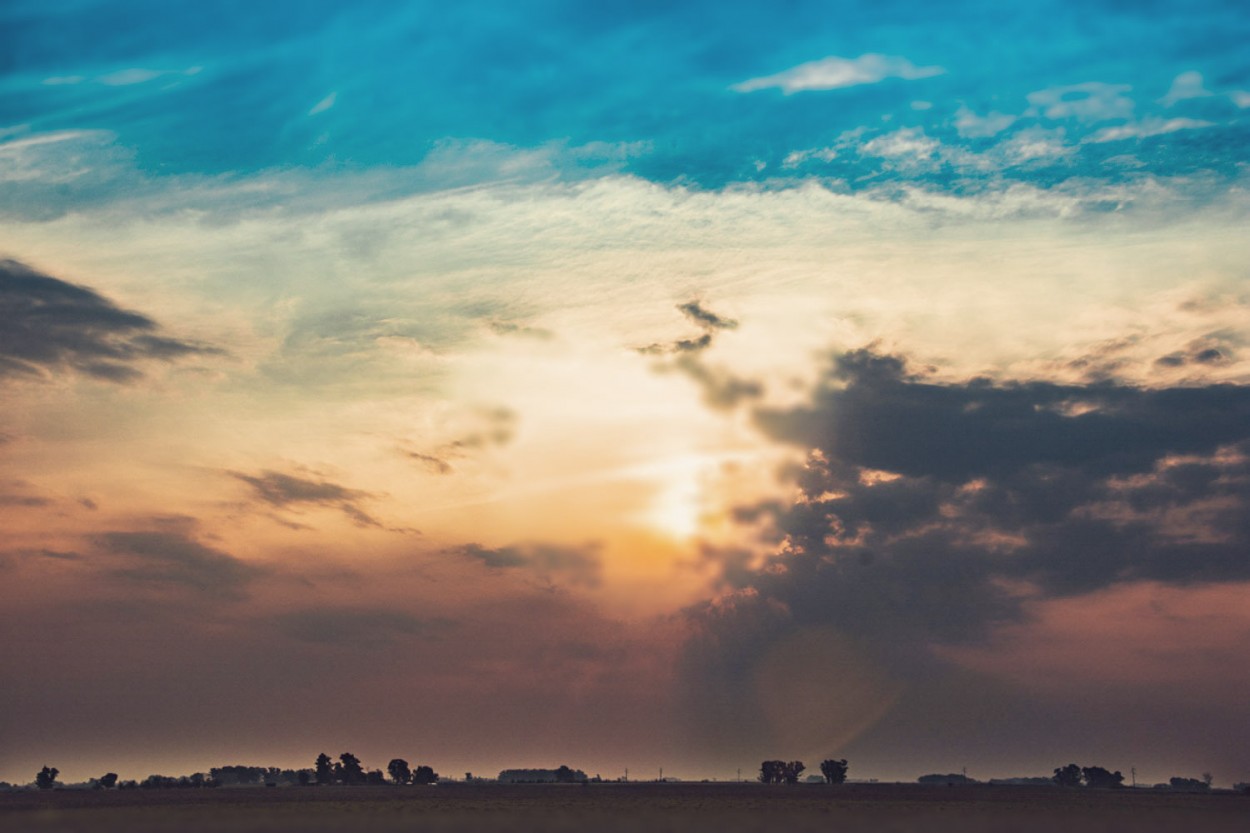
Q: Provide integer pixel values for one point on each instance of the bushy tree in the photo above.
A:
(45, 779)
(107, 781)
(1188, 784)
(324, 769)
(1096, 776)
(1068, 776)
(349, 770)
(781, 772)
(834, 771)
(400, 773)
(424, 775)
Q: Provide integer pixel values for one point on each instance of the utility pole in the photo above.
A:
(1134, 771)
(626, 775)
(661, 775)
(739, 775)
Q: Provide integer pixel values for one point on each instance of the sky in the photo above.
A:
(625, 385)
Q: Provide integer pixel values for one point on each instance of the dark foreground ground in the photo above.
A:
(655, 808)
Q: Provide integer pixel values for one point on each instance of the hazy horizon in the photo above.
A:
(625, 385)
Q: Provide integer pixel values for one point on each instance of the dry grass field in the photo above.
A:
(655, 808)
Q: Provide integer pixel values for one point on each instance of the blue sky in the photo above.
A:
(242, 87)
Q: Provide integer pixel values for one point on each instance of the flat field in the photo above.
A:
(654, 808)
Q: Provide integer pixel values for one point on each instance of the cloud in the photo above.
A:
(496, 427)
(174, 557)
(17, 492)
(834, 73)
(131, 76)
(697, 313)
(286, 490)
(971, 126)
(355, 626)
(875, 413)
(704, 318)
(722, 390)
(436, 464)
(1146, 128)
(909, 144)
(936, 512)
(681, 345)
(1089, 102)
(1185, 86)
(581, 565)
(324, 104)
(49, 325)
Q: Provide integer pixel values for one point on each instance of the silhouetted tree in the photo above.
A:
(1068, 776)
(565, 775)
(349, 769)
(239, 774)
(424, 775)
(772, 772)
(163, 782)
(834, 771)
(305, 777)
(950, 779)
(375, 777)
(398, 768)
(45, 779)
(324, 769)
(792, 770)
(1188, 784)
(1096, 776)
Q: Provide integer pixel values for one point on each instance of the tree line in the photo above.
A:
(788, 772)
(347, 770)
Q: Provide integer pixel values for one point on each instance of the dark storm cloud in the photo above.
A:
(355, 626)
(49, 325)
(927, 512)
(579, 564)
(873, 413)
(174, 557)
(287, 490)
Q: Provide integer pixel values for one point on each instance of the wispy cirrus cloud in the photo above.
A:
(1090, 102)
(835, 72)
(285, 491)
(580, 565)
(1146, 128)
